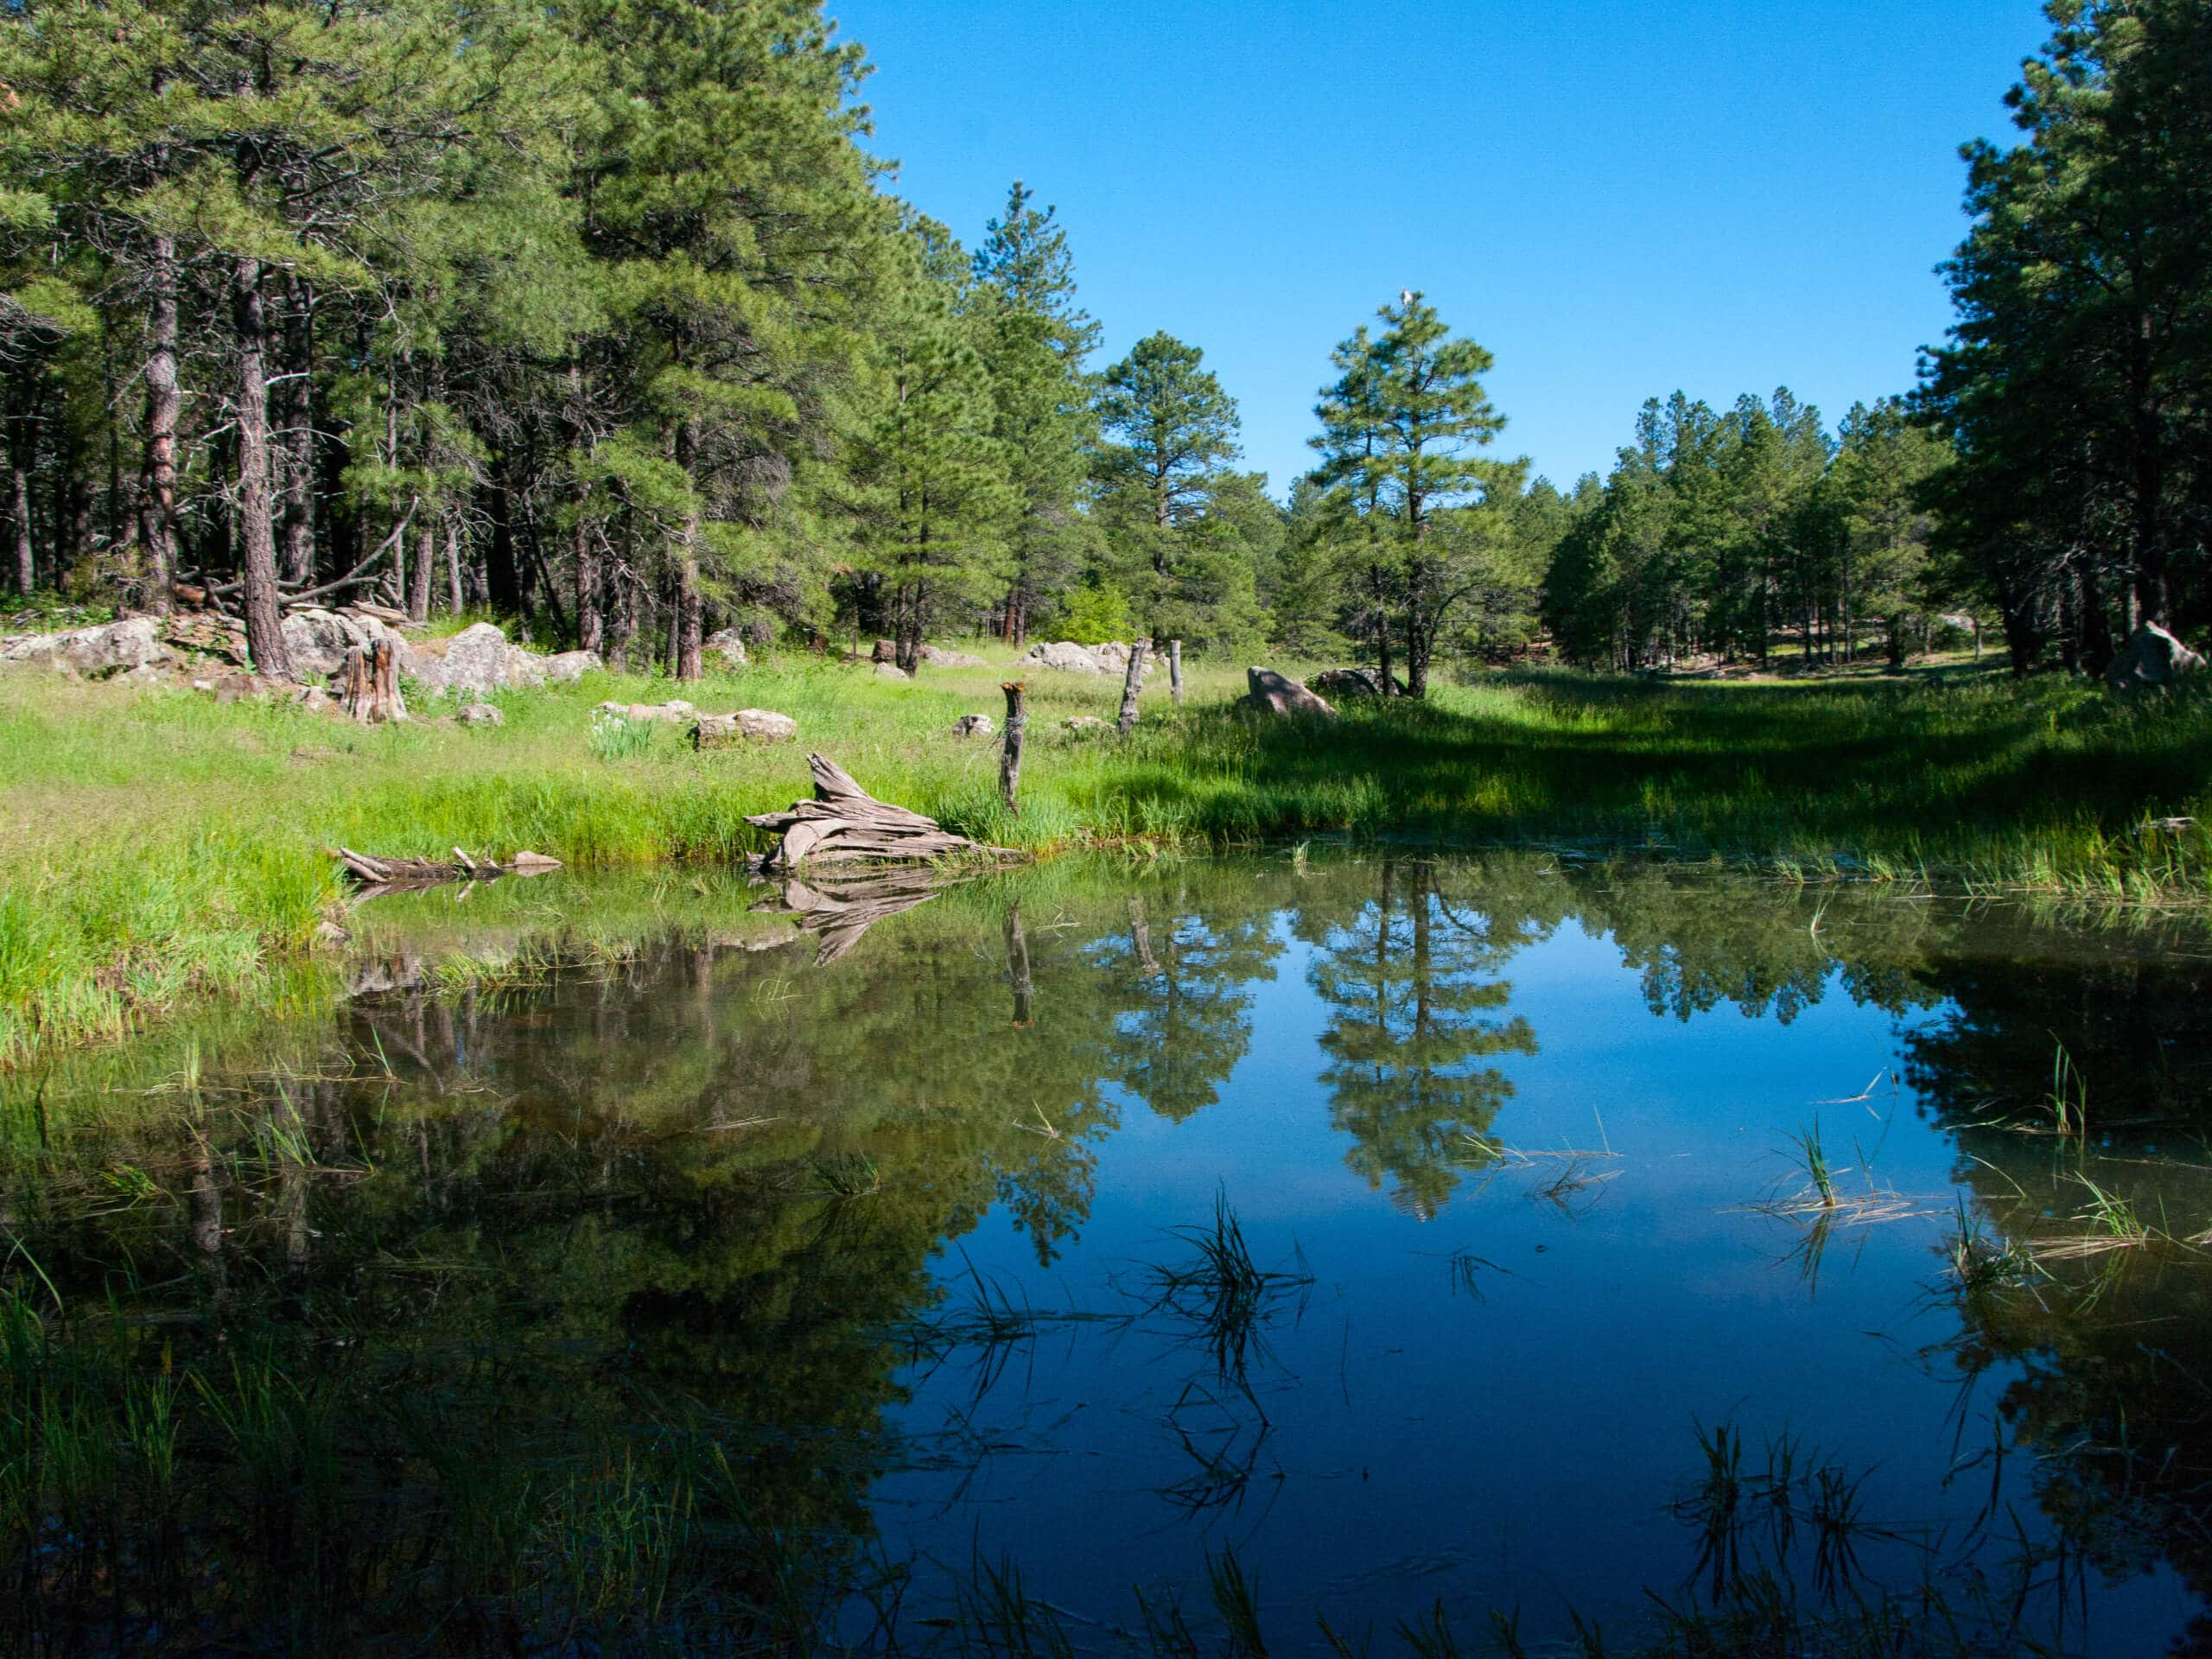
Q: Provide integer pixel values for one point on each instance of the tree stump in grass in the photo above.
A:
(373, 683)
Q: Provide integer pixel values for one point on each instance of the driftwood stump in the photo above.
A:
(373, 683)
(845, 823)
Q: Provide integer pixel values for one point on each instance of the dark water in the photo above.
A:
(687, 1291)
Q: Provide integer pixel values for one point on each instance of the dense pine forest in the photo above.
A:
(603, 319)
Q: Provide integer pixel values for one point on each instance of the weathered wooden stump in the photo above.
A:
(845, 823)
(373, 683)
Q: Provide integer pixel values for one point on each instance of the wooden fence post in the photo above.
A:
(1131, 683)
(1017, 723)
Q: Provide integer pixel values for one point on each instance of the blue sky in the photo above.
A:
(1616, 198)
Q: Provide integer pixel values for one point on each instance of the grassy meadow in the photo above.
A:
(155, 845)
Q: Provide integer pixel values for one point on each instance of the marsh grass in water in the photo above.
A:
(162, 847)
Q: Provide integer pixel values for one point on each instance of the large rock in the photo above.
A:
(566, 667)
(937, 657)
(318, 641)
(885, 651)
(746, 726)
(891, 671)
(1355, 682)
(1278, 693)
(111, 648)
(479, 659)
(727, 644)
(1067, 656)
(2152, 658)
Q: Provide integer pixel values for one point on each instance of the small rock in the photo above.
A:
(481, 714)
(673, 710)
(329, 935)
(1084, 724)
(728, 644)
(234, 688)
(315, 700)
(973, 726)
(528, 863)
(1278, 693)
(891, 671)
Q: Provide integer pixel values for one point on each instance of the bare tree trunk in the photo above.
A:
(1132, 682)
(419, 588)
(264, 632)
(688, 634)
(299, 434)
(453, 566)
(26, 566)
(1017, 723)
(1175, 671)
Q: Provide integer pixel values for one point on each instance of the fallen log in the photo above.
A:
(384, 874)
(845, 823)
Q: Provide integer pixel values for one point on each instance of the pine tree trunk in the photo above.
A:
(1382, 633)
(264, 633)
(1175, 671)
(591, 623)
(298, 548)
(688, 633)
(418, 589)
(26, 566)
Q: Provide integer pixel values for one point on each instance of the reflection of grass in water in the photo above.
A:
(1221, 1293)
(847, 1175)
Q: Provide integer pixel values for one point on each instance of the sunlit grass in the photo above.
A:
(159, 846)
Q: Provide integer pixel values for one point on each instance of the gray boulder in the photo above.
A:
(1067, 656)
(566, 667)
(318, 641)
(480, 714)
(109, 648)
(973, 726)
(937, 657)
(746, 726)
(727, 644)
(1278, 693)
(2152, 658)
(891, 671)
(1355, 682)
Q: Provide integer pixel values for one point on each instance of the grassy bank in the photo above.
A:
(155, 845)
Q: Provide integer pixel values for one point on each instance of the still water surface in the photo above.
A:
(908, 1244)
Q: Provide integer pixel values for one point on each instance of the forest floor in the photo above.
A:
(157, 844)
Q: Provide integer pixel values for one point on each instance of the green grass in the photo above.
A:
(157, 847)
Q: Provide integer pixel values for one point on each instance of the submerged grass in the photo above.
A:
(158, 846)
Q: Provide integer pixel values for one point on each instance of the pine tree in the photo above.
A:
(1034, 340)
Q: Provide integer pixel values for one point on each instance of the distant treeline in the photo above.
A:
(600, 317)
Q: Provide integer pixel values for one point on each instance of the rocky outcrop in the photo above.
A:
(111, 648)
(726, 647)
(2152, 658)
(1356, 683)
(746, 726)
(1272, 693)
(973, 726)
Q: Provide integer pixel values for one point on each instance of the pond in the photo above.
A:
(1132, 1256)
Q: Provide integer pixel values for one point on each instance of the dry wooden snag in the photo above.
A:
(373, 683)
(845, 823)
(1017, 723)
